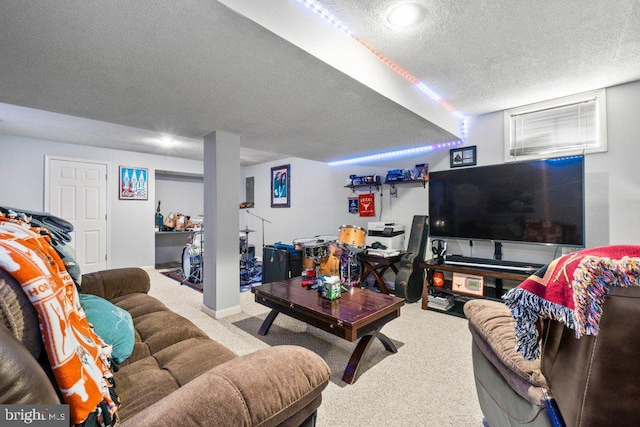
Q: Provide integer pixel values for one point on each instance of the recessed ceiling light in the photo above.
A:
(405, 15)
(166, 140)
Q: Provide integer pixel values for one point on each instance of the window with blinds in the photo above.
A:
(566, 126)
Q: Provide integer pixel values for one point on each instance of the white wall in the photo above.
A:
(180, 195)
(318, 202)
(131, 233)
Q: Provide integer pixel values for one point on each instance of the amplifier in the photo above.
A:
(280, 264)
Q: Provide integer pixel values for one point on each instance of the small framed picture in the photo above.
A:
(133, 183)
(465, 156)
(281, 186)
(468, 284)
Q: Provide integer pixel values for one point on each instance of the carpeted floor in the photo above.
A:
(429, 382)
(178, 276)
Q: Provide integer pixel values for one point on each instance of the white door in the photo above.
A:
(77, 192)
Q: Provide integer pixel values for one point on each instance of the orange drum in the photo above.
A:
(308, 263)
(299, 244)
(352, 236)
(330, 265)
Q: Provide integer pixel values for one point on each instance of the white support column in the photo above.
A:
(221, 284)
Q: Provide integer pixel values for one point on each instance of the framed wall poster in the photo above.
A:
(133, 183)
(281, 186)
(462, 157)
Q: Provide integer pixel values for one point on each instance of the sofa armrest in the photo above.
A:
(266, 388)
(110, 284)
(22, 380)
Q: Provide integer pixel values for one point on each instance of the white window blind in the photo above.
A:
(567, 126)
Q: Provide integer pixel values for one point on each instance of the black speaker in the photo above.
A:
(410, 277)
(280, 264)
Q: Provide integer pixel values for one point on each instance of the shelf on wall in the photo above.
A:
(353, 187)
(413, 181)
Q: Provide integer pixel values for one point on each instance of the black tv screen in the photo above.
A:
(538, 201)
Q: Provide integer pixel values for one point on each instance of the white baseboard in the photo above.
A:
(219, 314)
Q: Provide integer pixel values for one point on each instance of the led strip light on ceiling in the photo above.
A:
(407, 152)
(316, 8)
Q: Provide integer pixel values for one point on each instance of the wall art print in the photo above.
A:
(134, 183)
(465, 156)
(281, 186)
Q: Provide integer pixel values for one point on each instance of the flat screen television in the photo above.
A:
(538, 201)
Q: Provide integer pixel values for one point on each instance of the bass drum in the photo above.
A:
(192, 263)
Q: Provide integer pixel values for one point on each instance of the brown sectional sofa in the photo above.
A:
(176, 374)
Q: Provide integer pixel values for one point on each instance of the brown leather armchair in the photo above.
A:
(594, 380)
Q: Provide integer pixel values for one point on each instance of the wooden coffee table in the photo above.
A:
(357, 314)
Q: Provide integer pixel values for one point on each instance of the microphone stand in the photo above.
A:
(263, 221)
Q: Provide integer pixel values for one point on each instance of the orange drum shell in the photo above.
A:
(330, 265)
(308, 263)
(352, 236)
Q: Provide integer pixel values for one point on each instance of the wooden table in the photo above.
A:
(377, 265)
(357, 314)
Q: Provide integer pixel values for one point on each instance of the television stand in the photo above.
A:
(494, 264)
(493, 278)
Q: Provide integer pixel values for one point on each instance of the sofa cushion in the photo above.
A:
(493, 329)
(168, 352)
(144, 382)
(112, 323)
(276, 386)
(156, 327)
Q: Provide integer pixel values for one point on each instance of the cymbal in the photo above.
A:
(246, 230)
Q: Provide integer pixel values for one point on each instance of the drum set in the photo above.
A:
(318, 255)
(325, 254)
(192, 258)
(321, 255)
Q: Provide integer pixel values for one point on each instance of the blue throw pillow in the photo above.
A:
(113, 324)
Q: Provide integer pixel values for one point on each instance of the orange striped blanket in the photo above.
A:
(78, 357)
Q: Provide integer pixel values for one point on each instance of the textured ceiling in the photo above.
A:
(155, 67)
(490, 55)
